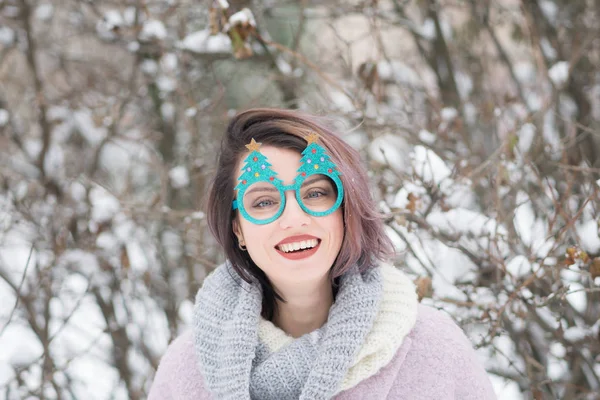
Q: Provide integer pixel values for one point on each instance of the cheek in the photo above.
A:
(336, 226)
(254, 235)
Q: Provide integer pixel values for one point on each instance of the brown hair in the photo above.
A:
(365, 240)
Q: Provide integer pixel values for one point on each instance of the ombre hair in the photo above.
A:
(365, 241)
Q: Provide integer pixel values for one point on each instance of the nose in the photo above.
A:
(293, 215)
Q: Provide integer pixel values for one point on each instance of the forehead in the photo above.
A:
(285, 162)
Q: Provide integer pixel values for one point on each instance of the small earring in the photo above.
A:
(242, 247)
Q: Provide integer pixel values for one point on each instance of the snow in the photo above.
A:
(4, 117)
(390, 149)
(399, 72)
(129, 15)
(547, 48)
(167, 110)
(166, 83)
(471, 112)
(559, 73)
(519, 266)
(525, 71)
(111, 20)
(58, 114)
(550, 134)
(452, 266)
(104, 204)
(153, 29)
(557, 368)
(198, 215)
(464, 85)
(172, 244)
(179, 177)
(577, 296)
(168, 62)
(149, 67)
(549, 9)
(505, 389)
(574, 334)
(427, 30)
(137, 255)
(19, 345)
(589, 236)
(149, 324)
(44, 11)
(84, 123)
(7, 36)
(426, 137)
(108, 242)
(186, 311)
(526, 135)
(341, 102)
(399, 243)
(534, 101)
(133, 46)
(203, 42)
(567, 106)
(244, 16)
(89, 375)
(465, 222)
(54, 162)
(459, 194)
(127, 160)
(191, 112)
(448, 114)
(283, 66)
(429, 166)
(15, 249)
(401, 199)
(524, 218)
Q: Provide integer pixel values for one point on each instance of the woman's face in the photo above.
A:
(269, 245)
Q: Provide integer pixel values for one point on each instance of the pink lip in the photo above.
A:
(301, 255)
(297, 238)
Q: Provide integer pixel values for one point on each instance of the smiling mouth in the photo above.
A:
(298, 247)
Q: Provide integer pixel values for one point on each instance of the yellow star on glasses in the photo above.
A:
(312, 138)
(253, 146)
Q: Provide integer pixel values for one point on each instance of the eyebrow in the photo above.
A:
(271, 188)
(315, 179)
(263, 189)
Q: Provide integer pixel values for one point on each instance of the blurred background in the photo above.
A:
(479, 122)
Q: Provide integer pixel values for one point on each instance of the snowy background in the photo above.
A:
(479, 122)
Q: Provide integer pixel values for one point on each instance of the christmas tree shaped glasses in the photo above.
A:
(261, 194)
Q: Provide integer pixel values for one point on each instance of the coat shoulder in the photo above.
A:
(434, 326)
(442, 360)
(178, 376)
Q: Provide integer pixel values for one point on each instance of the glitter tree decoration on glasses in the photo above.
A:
(315, 160)
(256, 168)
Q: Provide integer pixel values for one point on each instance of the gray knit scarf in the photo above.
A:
(236, 365)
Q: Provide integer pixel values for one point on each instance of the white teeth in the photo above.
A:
(305, 244)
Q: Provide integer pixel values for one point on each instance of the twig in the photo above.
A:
(311, 65)
(37, 83)
(18, 291)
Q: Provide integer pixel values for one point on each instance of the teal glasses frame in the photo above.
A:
(296, 186)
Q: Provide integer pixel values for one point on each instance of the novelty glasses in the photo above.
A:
(261, 194)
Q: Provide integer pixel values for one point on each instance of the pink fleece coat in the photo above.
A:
(435, 361)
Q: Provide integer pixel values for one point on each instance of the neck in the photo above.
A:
(305, 309)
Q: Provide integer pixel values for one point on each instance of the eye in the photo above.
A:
(316, 193)
(263, 203)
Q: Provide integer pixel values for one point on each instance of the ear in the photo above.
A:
(237, 229)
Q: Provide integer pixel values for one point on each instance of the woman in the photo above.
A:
(306, 307)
